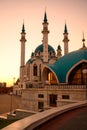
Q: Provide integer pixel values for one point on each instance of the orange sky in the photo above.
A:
(12, 14)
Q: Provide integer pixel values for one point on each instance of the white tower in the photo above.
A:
(22, 64)
(45, 39)
(65, 40)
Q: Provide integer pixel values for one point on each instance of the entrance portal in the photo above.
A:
(53, 100)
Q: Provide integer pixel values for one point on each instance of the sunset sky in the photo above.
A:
(12, 14)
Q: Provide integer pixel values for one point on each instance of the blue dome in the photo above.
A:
(40, 48)
(65, 63)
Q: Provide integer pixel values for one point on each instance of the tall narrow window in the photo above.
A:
(40, 105)
(40, 71)
(35, 70)
(53, 99)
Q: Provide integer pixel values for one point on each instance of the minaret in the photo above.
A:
(65, 40)
(45, 32)
(22, 63)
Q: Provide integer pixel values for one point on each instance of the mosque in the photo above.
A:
(49, 79)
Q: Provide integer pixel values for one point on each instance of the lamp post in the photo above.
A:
(11, 102)
(84, 77)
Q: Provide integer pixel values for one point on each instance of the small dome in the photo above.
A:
(59, 47)
(32, 54)
(40, 49)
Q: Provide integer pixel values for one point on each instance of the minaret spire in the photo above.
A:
(65, 40)
(65, 29)
(83, 40)
(22, 64)
(45, 32)
(45, 17)
(23, 28)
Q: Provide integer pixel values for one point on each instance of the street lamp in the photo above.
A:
(11, 102)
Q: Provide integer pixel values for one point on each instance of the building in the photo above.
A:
(49, 79)
(3, 84)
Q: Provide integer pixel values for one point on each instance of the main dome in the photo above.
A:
(62, 66)
(40, 48)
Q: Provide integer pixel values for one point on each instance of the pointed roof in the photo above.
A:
(45, 17)
(59, 48)
(23, 28)
(83, 46)
(65, 29)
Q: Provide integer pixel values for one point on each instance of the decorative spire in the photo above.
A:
(45, 32)
(23, 28)
(83, 40)
(59, 50)
(65, 40)
(65, 29)
(45, 17)
(22, 64)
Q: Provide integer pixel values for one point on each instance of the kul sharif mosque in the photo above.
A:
(49, 79)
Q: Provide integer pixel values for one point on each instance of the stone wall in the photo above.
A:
(30, 97)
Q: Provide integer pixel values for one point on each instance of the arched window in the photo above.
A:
(35, 70)
(77, 75)
(50, 53)
(49, 77)
(39, 53)
(40, 71)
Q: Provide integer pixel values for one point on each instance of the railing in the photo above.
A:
(61, 86)
(66, 86)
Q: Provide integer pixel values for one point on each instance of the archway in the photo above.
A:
(49, 77)
(53, 100)
(78, 75)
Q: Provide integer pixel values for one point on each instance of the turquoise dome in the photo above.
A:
(65, 63)
(40, 48)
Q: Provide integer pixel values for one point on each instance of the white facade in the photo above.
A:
(31, 72)
(52, 96)
(43, 85)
